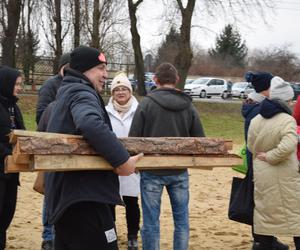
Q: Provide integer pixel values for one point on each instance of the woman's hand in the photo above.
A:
(262, 156)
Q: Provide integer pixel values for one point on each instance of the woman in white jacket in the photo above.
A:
(121, 108)
(272, 139)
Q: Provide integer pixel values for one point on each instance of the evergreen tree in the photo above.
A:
(230, 49)
(167, 51)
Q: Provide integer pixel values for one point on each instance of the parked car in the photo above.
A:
(149, 82)
(208, 87)
(242, 89)
(296, 88)
(189, 81)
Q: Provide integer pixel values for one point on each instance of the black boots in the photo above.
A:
(133, 243)
(276, 245)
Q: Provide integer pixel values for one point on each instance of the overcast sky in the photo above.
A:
(282, 27)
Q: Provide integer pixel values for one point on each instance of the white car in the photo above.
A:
(207, 87)
(242, 89)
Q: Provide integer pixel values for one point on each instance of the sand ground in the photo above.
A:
(210, 229)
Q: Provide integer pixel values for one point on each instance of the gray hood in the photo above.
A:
(170, 99)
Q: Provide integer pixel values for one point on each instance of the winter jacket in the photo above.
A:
(129, 185)
(166, 112)
(8, 78)
(250, 109)
(277, 181)
(47, 94)
(80, 110)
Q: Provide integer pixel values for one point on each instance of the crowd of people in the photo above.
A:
(79, 207)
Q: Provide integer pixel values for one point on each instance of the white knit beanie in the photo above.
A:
(120, 80)
(280, 89)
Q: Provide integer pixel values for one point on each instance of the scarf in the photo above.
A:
(256, 97)
(122, 109)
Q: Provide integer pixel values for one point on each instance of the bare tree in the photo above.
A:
(9, 21)
(76, 14)
(58, 32)
(184, 56)
(277, 60)
(103, 22)
(136, 44)
(27, 41)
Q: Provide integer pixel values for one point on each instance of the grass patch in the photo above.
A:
(218, 119)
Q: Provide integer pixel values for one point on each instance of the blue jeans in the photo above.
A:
(48, 229)
(151, 190)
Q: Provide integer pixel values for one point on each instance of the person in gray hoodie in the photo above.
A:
(165, 112)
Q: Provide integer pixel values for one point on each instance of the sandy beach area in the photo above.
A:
(209, 226)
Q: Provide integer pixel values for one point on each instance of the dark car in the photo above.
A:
(296, 88)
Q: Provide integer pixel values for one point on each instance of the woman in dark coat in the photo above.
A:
(10, 118)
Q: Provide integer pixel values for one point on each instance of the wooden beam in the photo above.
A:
(134, 145)
(18, 156)
(77, 162)
(27, 133)
(12, 167)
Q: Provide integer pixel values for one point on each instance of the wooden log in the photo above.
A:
(77, 162)
(12, 167)
(134, 145)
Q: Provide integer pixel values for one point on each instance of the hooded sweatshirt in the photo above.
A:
(11, 117)
(166, 112)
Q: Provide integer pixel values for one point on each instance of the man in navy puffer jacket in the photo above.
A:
(78, 202)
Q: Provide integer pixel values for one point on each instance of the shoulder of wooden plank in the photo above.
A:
(12, 167)
(26, 133)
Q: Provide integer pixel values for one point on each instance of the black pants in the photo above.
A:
(88, 226)
(266, 241)
(8, 200)
(133, 215)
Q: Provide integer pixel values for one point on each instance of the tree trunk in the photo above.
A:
(76, 23)
(96, 20)
(10, 32)
(58, 39)
(184, 57)
(136, 44)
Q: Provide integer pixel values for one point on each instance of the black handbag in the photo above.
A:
(241, 204)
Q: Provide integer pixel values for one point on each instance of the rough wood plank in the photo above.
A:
(18, 156)
(76, 162)
(12, 167)
(134, 145)
(27, 133)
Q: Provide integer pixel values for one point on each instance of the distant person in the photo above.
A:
(47, 95)
(78, 203)
(261, 82)
(272, 140)
(121, 108)
(49, 88)
(10, 118)
(165, 112)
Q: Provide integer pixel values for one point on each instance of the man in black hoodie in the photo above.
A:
(78, 202)
(49, 88)
(10, 118)
(165, 112)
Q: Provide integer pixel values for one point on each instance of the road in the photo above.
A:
(217, 99)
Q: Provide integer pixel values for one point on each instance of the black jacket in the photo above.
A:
(166, 112)
(80, 110)
(47, 94)
(8, 78)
